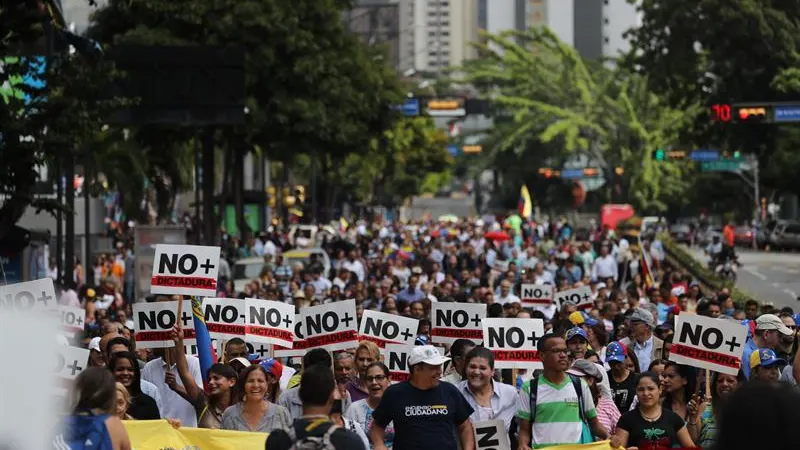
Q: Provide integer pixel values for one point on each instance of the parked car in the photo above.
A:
(764, 234)
(743, 236)
(786, 236)
(681, 233)
(246, 270)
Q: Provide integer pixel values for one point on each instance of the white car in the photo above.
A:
(246, 270)
(303, 256)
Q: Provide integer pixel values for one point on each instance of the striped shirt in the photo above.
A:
(607, 414)
(558, 420)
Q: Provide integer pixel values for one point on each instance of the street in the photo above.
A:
(769, 277)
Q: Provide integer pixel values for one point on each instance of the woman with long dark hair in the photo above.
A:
(126, 370)
(650, 425)
(703, 415)
(680, 383)
(254, 412)
(93, 417)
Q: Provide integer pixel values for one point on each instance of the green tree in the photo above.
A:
(554, 104)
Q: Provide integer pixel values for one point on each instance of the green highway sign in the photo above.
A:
(720, 166)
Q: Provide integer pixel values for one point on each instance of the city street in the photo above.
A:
(769, 277)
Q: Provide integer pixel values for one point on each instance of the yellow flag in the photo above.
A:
(160, 435)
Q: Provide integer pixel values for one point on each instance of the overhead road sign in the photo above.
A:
(410, 107)
(786, 114)
(452, 107)
(721, 166)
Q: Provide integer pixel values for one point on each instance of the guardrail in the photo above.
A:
(709, 282)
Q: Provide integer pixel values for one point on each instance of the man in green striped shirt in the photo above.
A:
(557, 419)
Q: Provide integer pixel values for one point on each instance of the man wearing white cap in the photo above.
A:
(426, 412)
(769, 331)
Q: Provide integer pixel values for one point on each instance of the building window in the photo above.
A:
(605, 40)
(605, 20)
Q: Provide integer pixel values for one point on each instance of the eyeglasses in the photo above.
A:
(563, 351)
(377, 378)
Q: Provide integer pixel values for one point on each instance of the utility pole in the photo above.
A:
(757, 200)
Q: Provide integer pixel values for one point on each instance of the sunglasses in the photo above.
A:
(377, 378)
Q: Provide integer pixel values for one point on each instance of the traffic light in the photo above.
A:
(619, 171)
(660, 155)
(751, 114)
(546, 172)
(590, 172)
(272, 197)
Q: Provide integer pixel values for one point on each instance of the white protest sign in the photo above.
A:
(396, 356)
(708, 343)
(491, 435)
(153, 322)
(269, 322)
(299, 346)
(580, 297)
(382, 328)
(261, 350)
(452, 321)
(70, 362)
(185, 269)
(513, 342)
(536, 294)
(224, 317)
(72, 320)
(332, 326)
(36, 294)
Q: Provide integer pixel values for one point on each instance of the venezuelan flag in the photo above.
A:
(525, 204)
(644, 262)
(205, 351)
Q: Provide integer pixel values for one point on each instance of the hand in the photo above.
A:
(696, 407)
(171, 381)
(177, 335)
(616, 441)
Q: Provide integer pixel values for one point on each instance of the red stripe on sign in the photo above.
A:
(457, 333)
(585, 306)
(539, 301)
(270, 332)
(516, 355)
(148, 336)
(183, 282)
(706, 356)
(378, 341)
(398, 376)
(296, 345)
(333, 338)
(226, 328)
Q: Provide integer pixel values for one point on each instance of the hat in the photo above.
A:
(426, 354)
(241, 360)
(581, 317)
(600, 285)
(576, 332)
(765, 357)
(616, 351)
(273, 367)
(94, 344)
(421, 340)
(642, 315)
(772, 322)
(585, 368)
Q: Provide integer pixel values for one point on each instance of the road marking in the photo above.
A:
(756, 273)
(784, 269)
(791, 293)
(774, 284)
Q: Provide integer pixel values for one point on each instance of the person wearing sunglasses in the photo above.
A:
(360, 412)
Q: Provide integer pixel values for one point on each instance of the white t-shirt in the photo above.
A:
(173, 405)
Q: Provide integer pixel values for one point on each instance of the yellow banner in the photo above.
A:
(160, 435)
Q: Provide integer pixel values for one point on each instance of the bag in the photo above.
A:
(84, 432)
(586, 433)
(312, 442)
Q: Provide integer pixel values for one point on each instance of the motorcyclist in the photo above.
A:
(714, 250)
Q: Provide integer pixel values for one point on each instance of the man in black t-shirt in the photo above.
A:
(426, 412)
(316, 391)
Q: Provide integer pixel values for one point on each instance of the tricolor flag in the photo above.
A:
(525, 205)
(644, 262)
(205, 351)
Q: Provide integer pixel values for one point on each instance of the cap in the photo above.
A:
(643, 315)
(241, 360)
(273, 366)
(90, 293)
(616, 351)
(600, 285)
(772, 322)
(94, 344)
(426, 354)
(765, 357)
(585, 368)
(581, 317)
(576, 332)
(421, 340)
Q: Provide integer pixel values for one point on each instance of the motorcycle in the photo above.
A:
(728, 269)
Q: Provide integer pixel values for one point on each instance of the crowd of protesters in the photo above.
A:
(606, 370)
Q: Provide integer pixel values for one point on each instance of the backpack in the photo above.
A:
(576, 384)
(312, 442)
(84, 432)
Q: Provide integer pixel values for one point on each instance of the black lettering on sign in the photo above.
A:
(398, 362)
(388, 330)
(183, 264)
(325, 323)
(298, 330)
(70, 318)
(711, 338)
(535, 292)
(22, 300)
(510, 337)
(487, 438)
(221, 313)
(264, 316)
(163, 320)
(459, 318)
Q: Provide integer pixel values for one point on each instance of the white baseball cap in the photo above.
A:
(427, 354)
(94, 344)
